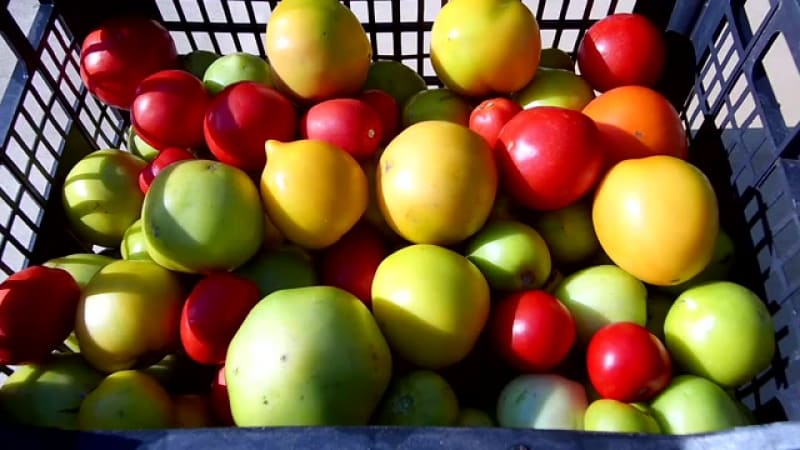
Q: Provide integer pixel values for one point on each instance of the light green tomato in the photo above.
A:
(196, 62)
(396, 79)
(139, 147)
(436, 104)
(133, 244)
(307, 356)
(101, 196)
(555, 87)
(542, 401)
(722, 331)
(286, 267)
(82, 266)
(421, 398)
(618, 417)
(202, 215)
(568, 232)
(236, 67)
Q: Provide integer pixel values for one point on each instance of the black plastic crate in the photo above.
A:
(725, 56)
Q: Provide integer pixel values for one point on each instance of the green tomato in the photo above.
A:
(658, 305)
(133, 242)
(722, 331)
(139, 147)
(618, 417)
(197, 62)
(472, 417)
(555, 58)
(555, 87)
(511, 255)
(542, 401)
(396, 79)
(568, 232)
(235, 67)
(286, 267)
(82, 266)
(127, 400)
(436, 104)
(420, 398)
(692, 404)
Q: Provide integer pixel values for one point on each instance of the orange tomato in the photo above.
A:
(636, 122)
(657, 218)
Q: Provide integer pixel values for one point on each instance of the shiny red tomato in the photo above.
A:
(122, 52)
(169, 108)
(621, 50)
(242, 117)
(627, 363)
(490, 116)
(164, 158)
(220, 402)
(213, 312)
(532, 330)
(388, 111)
(348, 123)
(37, 312)
(351, 262)
(549, 157)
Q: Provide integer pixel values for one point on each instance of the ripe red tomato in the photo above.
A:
(388, 111)
(164, 158)
(220, 402)
(37, 312)
(621, 50)
(627, 363)
(168, 110)
(121, 53)
(532, 330)
(549, 157)
(242, 117)
(348, 123)
(213, 312)
(351, 262)
(490, 116)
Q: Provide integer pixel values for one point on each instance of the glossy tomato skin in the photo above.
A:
(490, 116)
(351, 262)
(347, 123)
(122, 52)
(214, 310)
(388, 111)
(164, 158)
(37, 312)
(621, 50)
(627, 363)
(549, 157)
(532, 330)
(220, 402)
(168, 110)
(241, 118)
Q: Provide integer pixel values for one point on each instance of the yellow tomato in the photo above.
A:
(657, 218)
(127, 400)
(436, 183)
(480, 47)
(313, 191)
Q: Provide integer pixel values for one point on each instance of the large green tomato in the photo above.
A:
(128, 315)
(202, 215)
(307, 356)
(101, 196)
(542, 401)
(431, 304)
(48, 394)
(568, 232)
(722, 331)
(395, 78)
(133, 244)
(196, 62)
(555, 87)
(82, 266)
(235, 67)
(615, 416)
(127, 400)
(436, 104)
(692, 404)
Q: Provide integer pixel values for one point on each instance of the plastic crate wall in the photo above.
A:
(732, 113)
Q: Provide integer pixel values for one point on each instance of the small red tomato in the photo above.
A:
(164, 158)
(168, 110)
(388, 111)
(347, 123)
(549, 157)
(490, 116)
(122, 52)
(622, 49)
(532, 330)
(37, 312)
(351, 262)
(242, 117)
(627, 363)
(213, 312)
(220, 402)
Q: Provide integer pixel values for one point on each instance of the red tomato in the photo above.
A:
(241, 118)
(348, 123)
(532, 330)
(490, 116)
(121, 53)
(388, 111)
(351, 262)
(37, 312)
(622, 50)
(213, 312)
(220, 402)
(627, 363)
(169, 108)
(165, 158)
(549, 157)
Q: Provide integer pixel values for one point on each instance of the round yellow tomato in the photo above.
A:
(480, 47)
(657, 218)
(313, 191)
(436, 183)
(127, 400)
